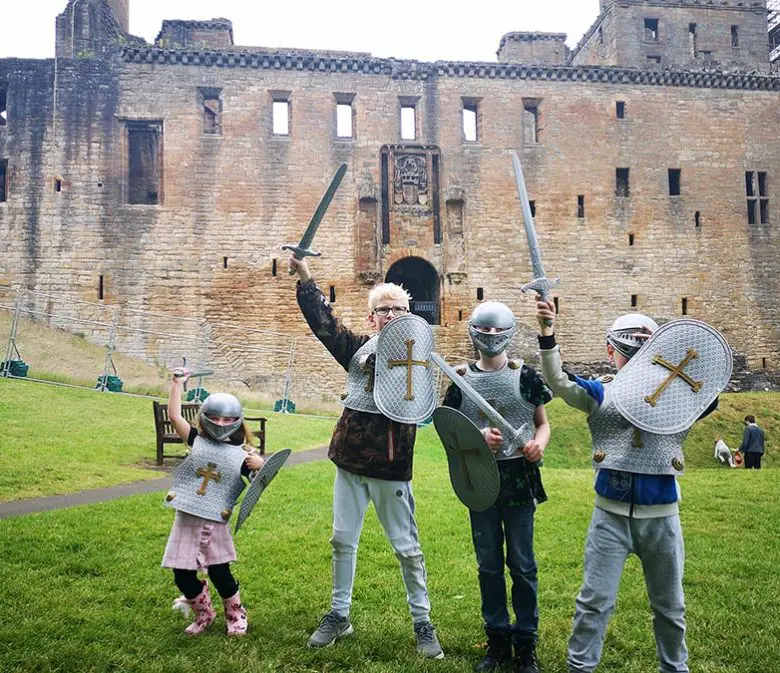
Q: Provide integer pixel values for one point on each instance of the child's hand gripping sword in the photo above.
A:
(303, 249)
(517, 438)
(540, 283)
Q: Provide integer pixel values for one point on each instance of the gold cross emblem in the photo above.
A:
(208, 473)
(408, 363)
(676, 371)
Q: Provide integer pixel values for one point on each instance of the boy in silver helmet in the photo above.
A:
(519, 394)
(636, 510)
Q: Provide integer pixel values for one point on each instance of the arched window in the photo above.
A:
(422, 282)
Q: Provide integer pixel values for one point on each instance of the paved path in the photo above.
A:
(19, 507)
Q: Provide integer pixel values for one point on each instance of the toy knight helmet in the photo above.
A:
(492, 314)
(621, 335)
(222, 405)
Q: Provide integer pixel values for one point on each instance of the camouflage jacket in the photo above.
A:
(370, 445)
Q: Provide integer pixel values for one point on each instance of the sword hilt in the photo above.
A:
(517, 442)
(542, 286)
(300, 253)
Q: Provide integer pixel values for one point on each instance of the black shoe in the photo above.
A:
(525, 658)
(499, 652)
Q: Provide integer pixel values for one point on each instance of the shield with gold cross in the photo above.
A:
(208, 482)
(404, 383)
(473, 470)
(674, 377)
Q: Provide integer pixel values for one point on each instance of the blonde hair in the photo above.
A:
(387, 291)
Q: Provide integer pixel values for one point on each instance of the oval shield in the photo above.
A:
(404, 384)
(674, 377)
(473, 470)
(260, 483)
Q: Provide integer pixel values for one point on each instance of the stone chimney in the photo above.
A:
(213, 34)
(533, 48)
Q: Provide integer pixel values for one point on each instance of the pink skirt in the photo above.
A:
(195, 543)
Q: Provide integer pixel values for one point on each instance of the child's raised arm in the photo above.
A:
(178, 422)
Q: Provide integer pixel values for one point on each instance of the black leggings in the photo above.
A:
(220, 576)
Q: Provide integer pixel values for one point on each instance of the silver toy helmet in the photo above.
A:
(621, 334)
(226, 406)
(492, 314)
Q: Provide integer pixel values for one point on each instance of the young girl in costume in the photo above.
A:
(206, 487)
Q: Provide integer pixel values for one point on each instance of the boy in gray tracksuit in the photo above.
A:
(636, 503)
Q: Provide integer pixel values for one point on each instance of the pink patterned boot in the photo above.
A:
(204, 612)
(235, 615)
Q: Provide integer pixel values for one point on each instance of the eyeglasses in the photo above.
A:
(385, 310)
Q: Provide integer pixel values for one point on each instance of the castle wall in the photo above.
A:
(229, 199)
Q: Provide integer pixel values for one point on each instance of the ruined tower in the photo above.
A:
(86, 27)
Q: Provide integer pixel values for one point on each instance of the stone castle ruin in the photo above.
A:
(163, 178)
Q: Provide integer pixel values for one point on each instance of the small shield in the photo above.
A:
(674, 377)
(260, 483)
(473, 469)
(404, 383)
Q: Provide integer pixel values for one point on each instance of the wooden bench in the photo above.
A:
(167, 435)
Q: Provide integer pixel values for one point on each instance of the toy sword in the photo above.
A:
(540, 283)
(303, 249)
(517, 437)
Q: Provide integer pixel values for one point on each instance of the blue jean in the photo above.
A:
(489, 529)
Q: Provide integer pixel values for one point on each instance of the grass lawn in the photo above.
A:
(82, 590)
(57, 440)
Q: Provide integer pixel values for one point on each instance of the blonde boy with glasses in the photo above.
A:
(373, 456)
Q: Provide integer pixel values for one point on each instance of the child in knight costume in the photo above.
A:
(205, 489)
(636, 508)
(519, 394)
(373, 456)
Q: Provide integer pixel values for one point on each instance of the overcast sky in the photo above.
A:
(427, 30)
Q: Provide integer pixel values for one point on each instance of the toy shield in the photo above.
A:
(473, 469)
(260, 483)
(673, 378)
(404, 385)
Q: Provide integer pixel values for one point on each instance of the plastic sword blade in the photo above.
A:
(303, 249)
(540, 283)
(483, 405)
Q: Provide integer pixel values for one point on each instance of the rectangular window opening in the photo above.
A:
(273, 266)
(100, 287)
(674, 181)
(622, 187)
(533, 207)
(212, 114)
(697, 219)
(332, 293)
(224, 262)
(762, 183)
(750, 185)
(480, 294)
(634, 300)
(3, 105)
(751, 211)
(530, 122)
(601, 35)
(57, 185)
(408, 122)
(470, 128)
(460, 315)
(580, 206)
(684, 306)
(557, 305)
(344, 120)
(281, 117)
(620, 109)
(763, 208)
(631, 239)
(763, 363)
(735, 36)
(651, 30)
(3, 180)
(653, 60)
(692, 44)
(145, 162)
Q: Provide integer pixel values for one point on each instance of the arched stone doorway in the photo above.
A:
(422, 282)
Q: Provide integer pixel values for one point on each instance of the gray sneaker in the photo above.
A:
(331, 628)
(427, 642)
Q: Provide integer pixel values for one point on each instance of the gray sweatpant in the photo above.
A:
(659, 545)
(394, 506)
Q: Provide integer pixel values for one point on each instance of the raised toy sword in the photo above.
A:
(517, 437)
(303, 249)
(540, 283)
